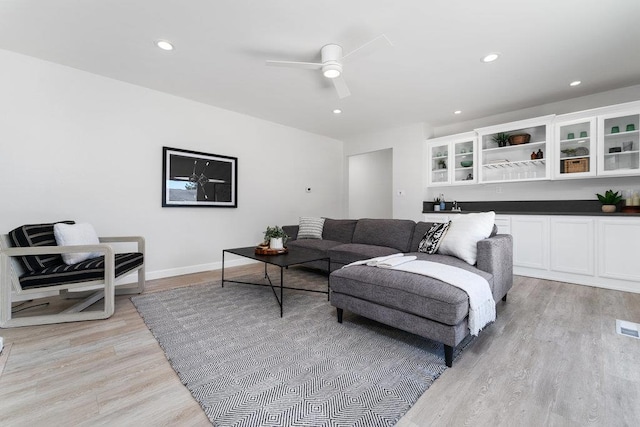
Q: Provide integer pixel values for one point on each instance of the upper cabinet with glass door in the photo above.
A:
(619, 144)
(451, 160)
(575, 142)
(516, 151)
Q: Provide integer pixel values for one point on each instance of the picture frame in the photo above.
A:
(196, 179)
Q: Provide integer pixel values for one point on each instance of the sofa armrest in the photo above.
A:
(292, 231)
(495, 256)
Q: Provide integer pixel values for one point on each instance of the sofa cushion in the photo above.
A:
(432, 238)
(339, 230)
(310, 228)
(412, 293)
(320, 245)
(392, 233)
(464, 234)
(350, 252)
(91, 269)
(34, 235)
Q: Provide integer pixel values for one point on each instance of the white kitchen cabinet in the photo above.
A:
(503, 222)
(516, 162)
(451, 160)
(595, 251)
(619, 143)
(572, 245)
(574, 147)
(435, 218)
(530, 241)
(619, 246)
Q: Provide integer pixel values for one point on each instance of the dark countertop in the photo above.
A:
(531, 207)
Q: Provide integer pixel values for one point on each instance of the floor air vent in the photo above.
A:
(628, 329)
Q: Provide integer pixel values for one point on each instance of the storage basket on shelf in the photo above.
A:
(575, 165)
(520, 138)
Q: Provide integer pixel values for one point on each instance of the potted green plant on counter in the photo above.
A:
(275, 237)
(609, 200)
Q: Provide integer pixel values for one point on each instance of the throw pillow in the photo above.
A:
(433, 237)
(464, 233)
(34, 235)
(76, 234)
(310, 228)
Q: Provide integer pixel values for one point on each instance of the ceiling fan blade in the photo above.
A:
(294, 64)
(378, 42)
(341, 87)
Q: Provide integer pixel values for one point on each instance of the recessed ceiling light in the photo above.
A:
(457, 112)
(490, 57)
(337, 111)
(164, 45)
(575, 83)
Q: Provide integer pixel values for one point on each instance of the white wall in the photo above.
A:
(370, 184)
(74, 145)
(407, 144)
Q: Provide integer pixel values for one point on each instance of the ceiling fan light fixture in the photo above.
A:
(331, 71)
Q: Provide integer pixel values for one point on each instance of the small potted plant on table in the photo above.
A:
(275, 237)
(609, 200)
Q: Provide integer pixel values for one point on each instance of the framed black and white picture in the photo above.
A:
(191, 178)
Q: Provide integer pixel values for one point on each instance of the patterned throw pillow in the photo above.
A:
(310, 228)
(432, 238)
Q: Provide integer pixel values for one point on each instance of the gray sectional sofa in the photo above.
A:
(418, 304)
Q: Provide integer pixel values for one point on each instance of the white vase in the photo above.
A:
(276, 243)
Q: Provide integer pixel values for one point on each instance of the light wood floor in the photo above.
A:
(551, 358)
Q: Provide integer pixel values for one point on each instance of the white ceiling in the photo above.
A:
(432, 69)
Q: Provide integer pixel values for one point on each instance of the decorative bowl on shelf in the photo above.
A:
(466, 163)
(520, 138)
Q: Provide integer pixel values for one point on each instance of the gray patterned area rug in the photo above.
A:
(246, 366)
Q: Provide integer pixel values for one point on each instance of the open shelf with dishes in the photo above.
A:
(516, 151)
(575, 147)
(619, 150)
(451, 160)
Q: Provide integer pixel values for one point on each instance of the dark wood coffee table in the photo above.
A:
(293, 257)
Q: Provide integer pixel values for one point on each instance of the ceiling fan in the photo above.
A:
(332, 62)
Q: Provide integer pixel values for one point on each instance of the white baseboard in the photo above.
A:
(179, 271)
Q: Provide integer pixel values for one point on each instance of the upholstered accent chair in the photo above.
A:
(32, 267)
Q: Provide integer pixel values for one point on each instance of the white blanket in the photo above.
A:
(482, 306)
(373, 262)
